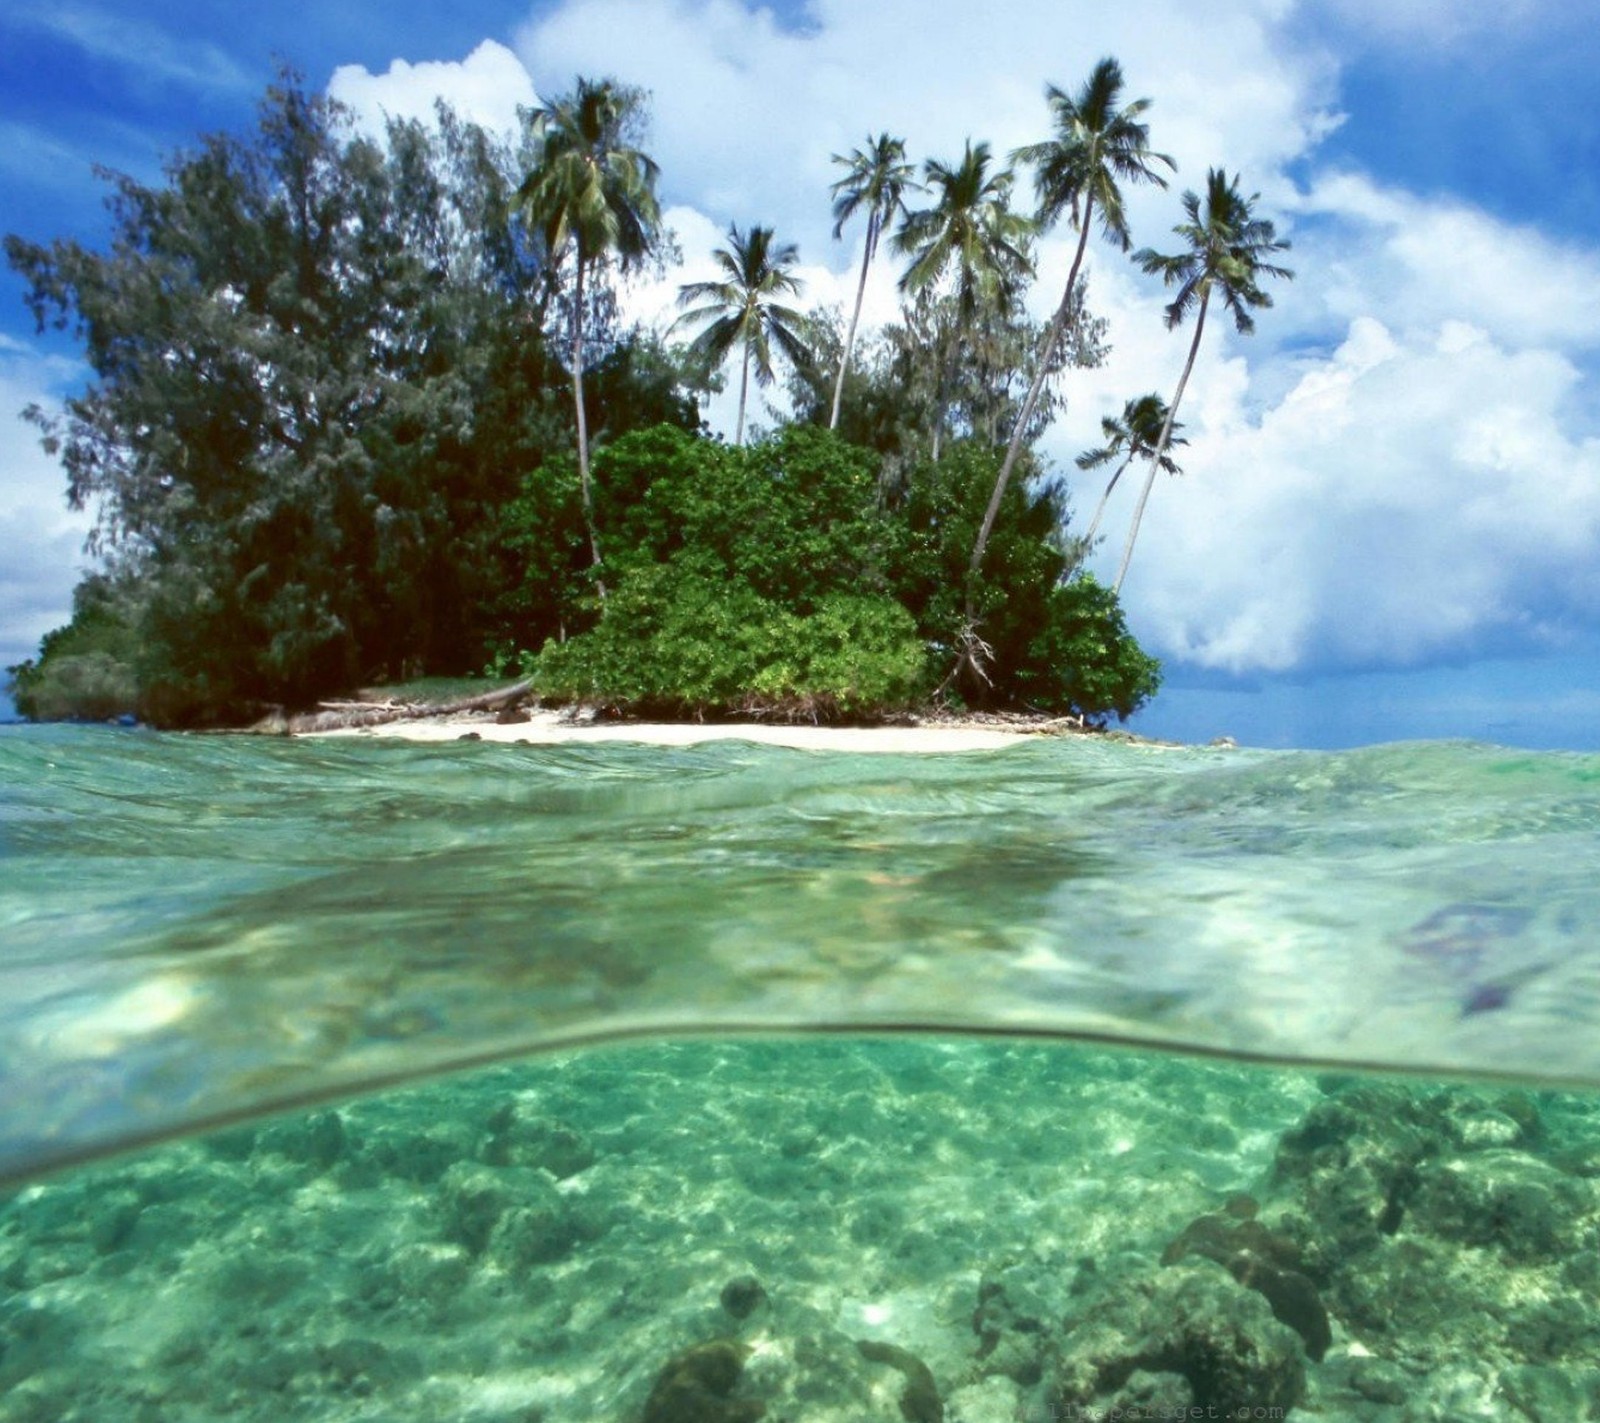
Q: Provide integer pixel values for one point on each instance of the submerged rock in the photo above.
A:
(471, 1200)
(1509, 1201)
(742, 1296)
(1545, 1395)
(520, 1136)
(314, 1139)
(1020, 1304)
(1262, 1261)
(1441, 1235)
(697, 1387)
(1189, 1323)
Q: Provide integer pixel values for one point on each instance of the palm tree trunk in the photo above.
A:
(744, 387)
(1161, 444)
(1047, 347)
(1100, 509)
(583, 426)
(855, 317)
(941, 348)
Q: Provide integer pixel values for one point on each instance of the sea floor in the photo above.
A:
(828, 1229)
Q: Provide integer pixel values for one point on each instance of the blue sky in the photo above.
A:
(1389, 524)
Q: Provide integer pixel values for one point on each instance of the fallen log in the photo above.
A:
(344, 715)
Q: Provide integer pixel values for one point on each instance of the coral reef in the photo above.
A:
(835, 1231)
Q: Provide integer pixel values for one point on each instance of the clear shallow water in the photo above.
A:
(941, 1226)
(835, 1230)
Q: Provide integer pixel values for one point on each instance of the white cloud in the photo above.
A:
(1419, 260)
(1435, 22)
(144, 49)
(487, 87)
(746, 116)
(1397, 467)
(29, 155)
(41, 540)
(1410, 498)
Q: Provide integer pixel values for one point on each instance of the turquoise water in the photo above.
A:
(1126, 1163)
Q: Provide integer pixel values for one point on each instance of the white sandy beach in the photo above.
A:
(548, 728)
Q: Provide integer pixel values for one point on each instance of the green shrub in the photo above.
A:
(85, 671)
(92, 687)
(682, 639)
(795, 517)
(773, 579)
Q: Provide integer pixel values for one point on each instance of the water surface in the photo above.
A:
(197, 927)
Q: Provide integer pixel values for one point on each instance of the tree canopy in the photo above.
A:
(1098, 145)
(319, 379)
(590, 192)
(363, 407)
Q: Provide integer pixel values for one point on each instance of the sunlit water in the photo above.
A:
(1020, 1212)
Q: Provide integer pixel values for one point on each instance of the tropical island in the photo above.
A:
(367, 409)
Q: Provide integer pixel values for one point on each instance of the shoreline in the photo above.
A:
(551, 728)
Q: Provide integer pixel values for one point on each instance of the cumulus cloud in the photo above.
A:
(487, 87)
(1399, 467)
(1412, 497)
(1420, 259)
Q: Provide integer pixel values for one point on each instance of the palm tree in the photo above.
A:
(743, 310)
(1096, 144)
(592, 193)
(876, 180)
(1227, 250)
(1133, 436)
(971, 229)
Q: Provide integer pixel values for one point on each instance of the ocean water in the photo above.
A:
(359, 1080)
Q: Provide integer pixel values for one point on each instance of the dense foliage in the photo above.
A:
(747, 579)
(87, 669)
(778, 579)
(320, 379)
(363, 409)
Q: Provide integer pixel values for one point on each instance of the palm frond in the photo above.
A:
(741, 311)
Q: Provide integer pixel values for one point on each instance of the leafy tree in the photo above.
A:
(1082, 660)
(969, 241)
(743, 309)
(1047, 645)
(1133, 435)
(306, 412)
(891, 386)
(874, 412)
(1096, 145)
(1227, 251)
(876, 181)
(591, 192)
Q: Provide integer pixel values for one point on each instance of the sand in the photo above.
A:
(549, 728)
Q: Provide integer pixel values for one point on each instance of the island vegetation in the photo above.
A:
(365, 408)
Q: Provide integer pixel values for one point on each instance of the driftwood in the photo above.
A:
(343, 715)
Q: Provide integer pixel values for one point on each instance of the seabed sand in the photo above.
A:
(549, 728)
